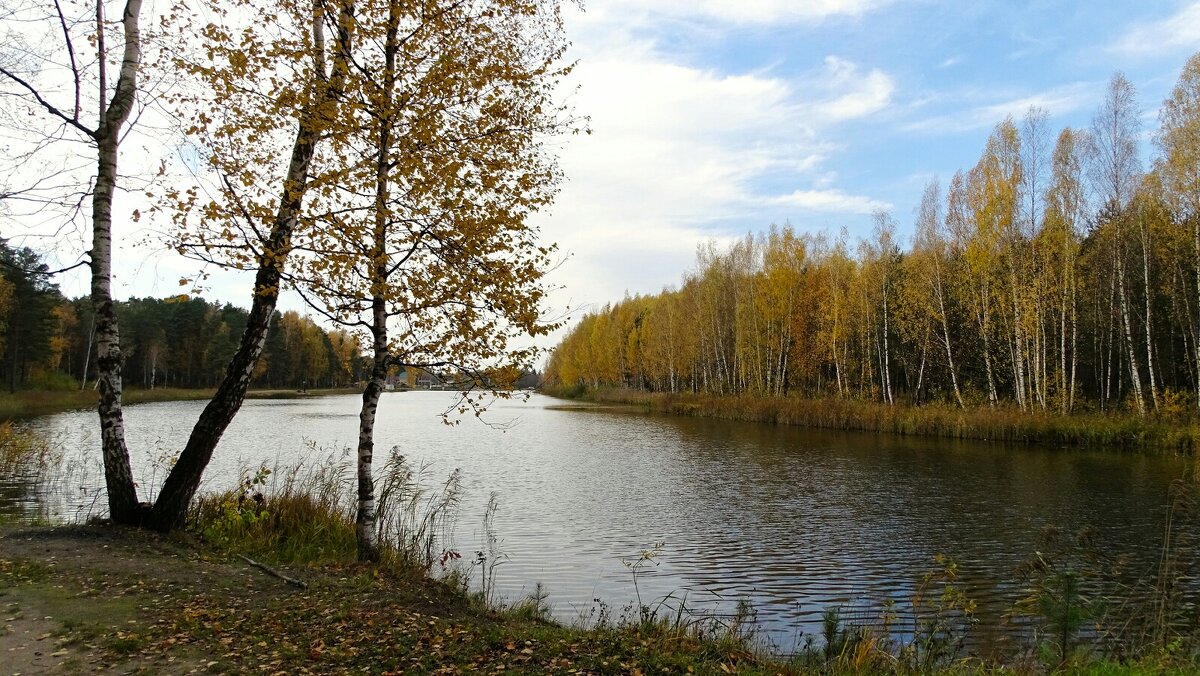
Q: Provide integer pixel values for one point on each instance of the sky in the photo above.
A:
(714, 118)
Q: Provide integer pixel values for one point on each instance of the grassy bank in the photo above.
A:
(98, 598)
(122, 601)
(30, 403)
(1006, 424)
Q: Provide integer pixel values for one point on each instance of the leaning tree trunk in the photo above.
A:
(171, 507)
(118, 476)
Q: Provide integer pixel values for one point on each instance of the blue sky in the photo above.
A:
(713, 118)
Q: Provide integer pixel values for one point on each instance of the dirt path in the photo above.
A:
(89, 599)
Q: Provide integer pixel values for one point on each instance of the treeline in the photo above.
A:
(48, 340)
(1053, 274)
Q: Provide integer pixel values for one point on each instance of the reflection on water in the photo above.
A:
(793, 521)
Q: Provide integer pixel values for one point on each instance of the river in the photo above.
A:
(791, 521)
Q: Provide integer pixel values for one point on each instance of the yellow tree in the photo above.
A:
(1065, 203)
(1028, 272)
(880, 260)
(1115, 173)
(836, 274)
(347, 349)
(784, 266)
(997, 213)
(424, 241)
(268, 94)
(927, 294)
(662, 338)
(982, 210)
(1179, 140)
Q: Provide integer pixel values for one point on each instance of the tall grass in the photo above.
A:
(414, 520)
(1001, 423)
(305, 513)
(24, 453)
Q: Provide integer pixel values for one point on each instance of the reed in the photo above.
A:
(25, 453)
(31, 403)
(304, 514)
(1002, 423)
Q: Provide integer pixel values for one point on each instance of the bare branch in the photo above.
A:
(70, 44)
(50, 107)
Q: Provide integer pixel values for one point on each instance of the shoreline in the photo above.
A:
(104, 598)
(32, 403)
(1009, 425)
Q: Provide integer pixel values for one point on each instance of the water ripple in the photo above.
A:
(792, 521)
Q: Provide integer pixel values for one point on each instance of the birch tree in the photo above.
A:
(1179, 140)
(1065, 205)
(424, 241)
(930, 260)
(1115, 173)
(267, 86)
(92, 85)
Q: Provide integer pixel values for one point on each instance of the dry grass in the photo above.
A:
(305, 513)
(25, 453)
(1002, 423)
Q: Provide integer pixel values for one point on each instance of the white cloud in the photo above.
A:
(680, 154)
(832, 201)
(1177, 32)
(1056, 101)
(855, 94)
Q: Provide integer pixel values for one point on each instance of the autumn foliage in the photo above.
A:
(1054, 274)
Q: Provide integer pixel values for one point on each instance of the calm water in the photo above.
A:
(792, 521)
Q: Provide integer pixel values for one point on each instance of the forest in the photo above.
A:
(1056, 274)
(184, 342)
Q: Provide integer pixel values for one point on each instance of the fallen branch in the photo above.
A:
(271, 571)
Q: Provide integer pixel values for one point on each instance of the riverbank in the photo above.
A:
(101, 598)
(1003, 424)
(30, 403)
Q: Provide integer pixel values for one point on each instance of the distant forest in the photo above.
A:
(1056, 273)
(184, 342)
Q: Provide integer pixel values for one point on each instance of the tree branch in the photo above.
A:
(50, 107)
(62, 21)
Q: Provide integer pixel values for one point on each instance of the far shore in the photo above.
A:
(32, 403)
(1008, 424)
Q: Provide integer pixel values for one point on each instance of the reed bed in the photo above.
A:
(1001, 424)
(23, 453)
(305, 513)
